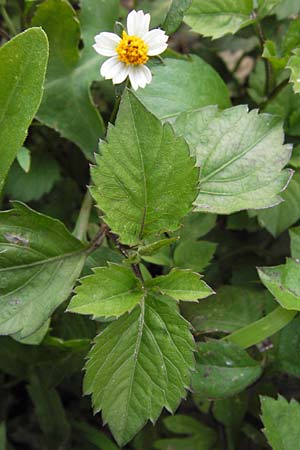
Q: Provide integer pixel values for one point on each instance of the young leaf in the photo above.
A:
(216, 18)
(182, 285)
(138, 365)
(39, 264)
(294, 66)
(223, 369)
(175, 15)
(241, 155)
(196, 85)
(140, 171)
(23, 62)
(194, 255)
(283, 282)
(110, 291)
(281, 421)
(67, 105)
(197, 435)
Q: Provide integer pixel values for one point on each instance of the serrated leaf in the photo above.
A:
(283, 282)
(194, 255)
(23, 62)
(241, 156)
(279, 218)
(223, 369)
(232, 308)
(175, 15)
(216, 18)
(138, 365)
(281, 422)
(294, 66)
(196, 85)
(183, 285)
(67, 106)
(110, 291)
(197, 435)
(39, 264)
(140, 171)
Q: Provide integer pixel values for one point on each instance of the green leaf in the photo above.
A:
(67, 106)
(23, 62)
(140, 171)
(287, 8)
(175, 15)
(295, 242)
(181, 285)
(241, 156)
(233, 307)
(94, 436)
(283, 282)
(24, 159)
(40, 179)
(2, 436)
(267, 7)
(194, 255)
(39, 264)
(281, 421)
(294, 66)
(36, 338)
(196, 85)
(197, 435)
(197, 225)
(223, 369)
(281, 217)
(110, 291)
(138, 365)
(287, 349)
(216, 18)
(50, 413)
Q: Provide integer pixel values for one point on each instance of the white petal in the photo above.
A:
(121, 75)
(138, 23)
(157, 50)
(139, 76)
(106, 43)
(111, 67)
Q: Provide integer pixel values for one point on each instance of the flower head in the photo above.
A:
(129, 54)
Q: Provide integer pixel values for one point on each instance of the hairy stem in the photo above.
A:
(80, 230)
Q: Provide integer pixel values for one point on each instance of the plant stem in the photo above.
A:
(274, 93)
(82, 223)
(263, 328)
(268, 67)
(98, 239)
(8, 21)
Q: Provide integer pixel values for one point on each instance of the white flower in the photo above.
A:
(129, 54)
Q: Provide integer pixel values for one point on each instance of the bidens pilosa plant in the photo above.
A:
(149, 224)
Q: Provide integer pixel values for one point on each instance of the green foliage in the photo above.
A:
(140, 157)
(23, 63)
(223, 369)
(281, 422)
(39, 264)
(175, 15)
(138, 365)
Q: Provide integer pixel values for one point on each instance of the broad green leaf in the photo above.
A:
(175, 15)
(110, 291)
(195, 83)
(50, 413)
(67, 106)
(197, 225)
(294, 66)
(295, 242)
(283, 282)
(40, 179)
(241, 156)
(197, 435)
(281, 217)
(40, 262)
(281, 422)
(23, 62)
(36, 338)
(138, 365)
(194, 255)
(223, 369)
(216, 18)
(182, 285)
(232, 308)
(140, 171)
(24, 159)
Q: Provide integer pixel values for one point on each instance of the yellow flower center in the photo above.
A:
(132, 50)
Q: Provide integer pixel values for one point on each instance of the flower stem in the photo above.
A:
(82, 222)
